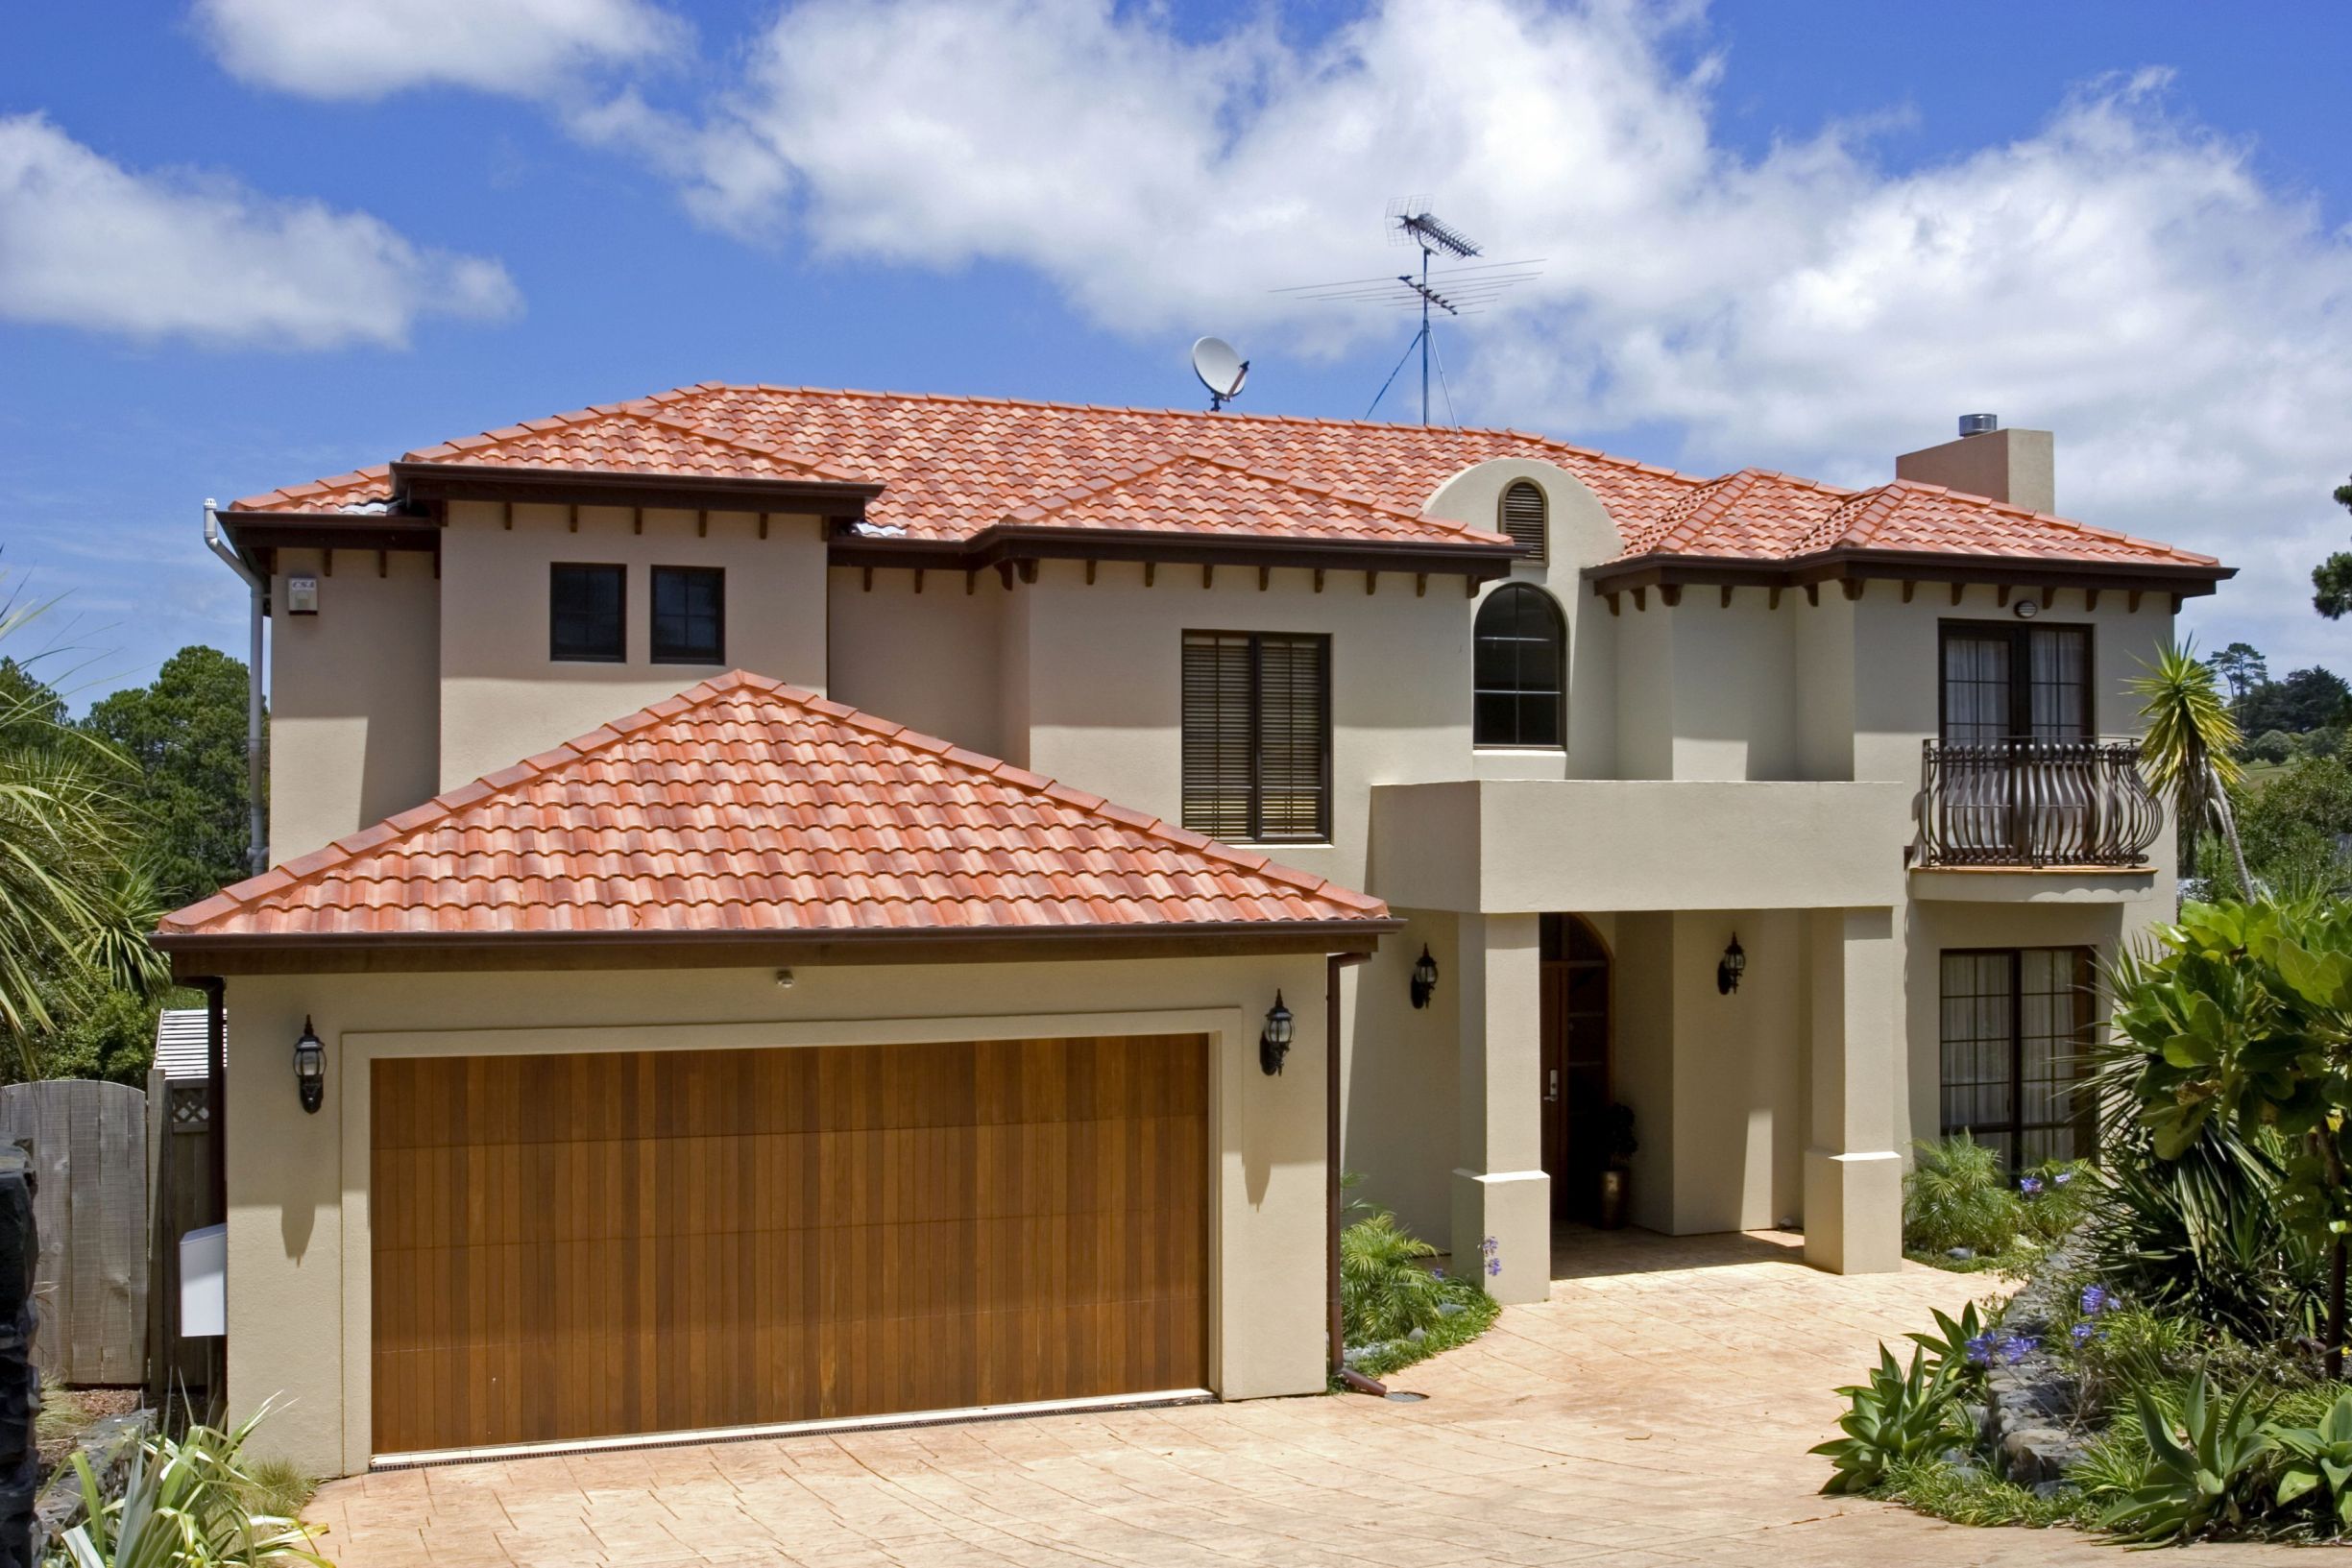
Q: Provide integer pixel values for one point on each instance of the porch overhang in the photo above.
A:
(1527, 846)
(2033, 884)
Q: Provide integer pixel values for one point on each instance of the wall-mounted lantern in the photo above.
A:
(1276, 1043)
(310, 1068)
(1733, 965)
(1425, 977)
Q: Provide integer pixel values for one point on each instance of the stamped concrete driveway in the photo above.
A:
(1656, 1409)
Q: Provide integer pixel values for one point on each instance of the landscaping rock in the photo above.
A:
(1417, 1336)
(2029, 1415)
(1451, 1309)
(1960, 1254)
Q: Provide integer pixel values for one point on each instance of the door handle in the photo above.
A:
(1551, 1092)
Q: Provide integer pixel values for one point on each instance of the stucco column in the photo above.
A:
(1502, 1205)
(1853, 1174)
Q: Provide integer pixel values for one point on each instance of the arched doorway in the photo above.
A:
(1576, 1050)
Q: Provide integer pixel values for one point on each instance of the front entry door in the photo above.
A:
(1575, 1026)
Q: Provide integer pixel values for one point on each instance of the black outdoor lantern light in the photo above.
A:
(310, 1068)
(1734, 964)
(1276, 1043)
(1425, 977)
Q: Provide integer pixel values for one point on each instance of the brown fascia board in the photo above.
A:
(197, 954)
(1903, 565)
(831, 499)
(998, 544)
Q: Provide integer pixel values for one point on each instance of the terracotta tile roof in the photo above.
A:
(1192, 493)
(747, 806)
(953, 467)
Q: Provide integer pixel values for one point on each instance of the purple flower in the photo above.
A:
(1980, 1348)
(2016, 1347)
(1494, 1266)
(2096, 1299)
(2082, 1332)
(2063, 1177)
(2029, 1185)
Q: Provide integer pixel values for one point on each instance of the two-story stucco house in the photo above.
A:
(816, 906)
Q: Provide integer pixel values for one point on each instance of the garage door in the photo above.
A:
(605, 1244)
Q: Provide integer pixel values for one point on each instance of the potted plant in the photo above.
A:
(1617, 1175)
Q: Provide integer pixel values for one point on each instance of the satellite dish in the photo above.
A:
(1221, 370)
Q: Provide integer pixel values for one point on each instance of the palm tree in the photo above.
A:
(2190, 747)
(72, 904)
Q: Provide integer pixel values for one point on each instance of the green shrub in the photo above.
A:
(2203, 1471)
(1967, 1495)
(1900, 1415)
(1956, 1196)
(2054, 1196)
(185, 1504)
(1388, 1286)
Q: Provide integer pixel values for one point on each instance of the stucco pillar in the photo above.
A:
(1853, 1174)
(1502, 1200)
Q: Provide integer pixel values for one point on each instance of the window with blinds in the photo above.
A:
(1524, 514)
(1257, 736)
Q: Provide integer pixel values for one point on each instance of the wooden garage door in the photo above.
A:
(604, 1245)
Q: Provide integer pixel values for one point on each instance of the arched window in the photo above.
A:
(1520, 669)
(1525, 513)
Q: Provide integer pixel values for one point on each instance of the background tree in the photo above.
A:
(2306, 700)
(184, 736)
(2331, 578)
(2190, 750)
(2242, 666)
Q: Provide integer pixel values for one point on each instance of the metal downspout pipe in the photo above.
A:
(258, 588)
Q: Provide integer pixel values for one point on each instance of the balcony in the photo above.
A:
(2034, 805)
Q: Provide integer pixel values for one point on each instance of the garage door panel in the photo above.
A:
(600, 1245)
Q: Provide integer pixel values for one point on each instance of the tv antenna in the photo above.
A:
(1221, 370)
(1458, 291)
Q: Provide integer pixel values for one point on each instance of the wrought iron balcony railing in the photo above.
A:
(2035, 802)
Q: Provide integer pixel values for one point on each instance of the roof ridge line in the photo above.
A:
(1633, 465)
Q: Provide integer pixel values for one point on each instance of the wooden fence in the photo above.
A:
(181, 1373)
(88, 1142)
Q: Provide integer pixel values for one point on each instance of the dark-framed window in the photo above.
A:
(1524, 514)
(2015, 682)
(2016, 1031)
(1519, 669)
(1257, 736)
(588, 612)
(690, 616)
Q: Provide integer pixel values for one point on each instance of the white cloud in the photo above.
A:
(2119, 273)
(86, 243)
(368, 48)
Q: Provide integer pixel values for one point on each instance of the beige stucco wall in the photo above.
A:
(299, 1258)
(355, 701)
(1401, 1081)
(504, 699)
(927, 659)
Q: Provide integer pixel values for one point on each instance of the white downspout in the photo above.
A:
(258, 591)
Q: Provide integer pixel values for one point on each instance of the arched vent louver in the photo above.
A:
(1525, 511)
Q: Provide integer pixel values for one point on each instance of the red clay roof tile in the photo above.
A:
(748, 805)
(953, 467)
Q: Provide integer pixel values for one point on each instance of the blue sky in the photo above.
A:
(250, 242)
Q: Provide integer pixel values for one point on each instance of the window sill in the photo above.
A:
(1518, 751)
(696, 664)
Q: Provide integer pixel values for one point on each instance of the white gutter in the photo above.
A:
(257, 829)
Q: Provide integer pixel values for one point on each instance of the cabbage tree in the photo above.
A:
(2190, 750)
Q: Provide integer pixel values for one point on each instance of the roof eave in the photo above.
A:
(202, 954)
(2182, 579)
(1013, 543)
(427, 482)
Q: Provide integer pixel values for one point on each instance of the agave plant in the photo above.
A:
(1953, 1343)
(184, 1506)
(1900, 1415)
(2199, 1474)
(2320, 1464)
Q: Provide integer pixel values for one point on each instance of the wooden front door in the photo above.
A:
(634, 1241)
(1575, 1027)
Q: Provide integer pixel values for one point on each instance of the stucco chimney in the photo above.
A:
(2013, 465)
